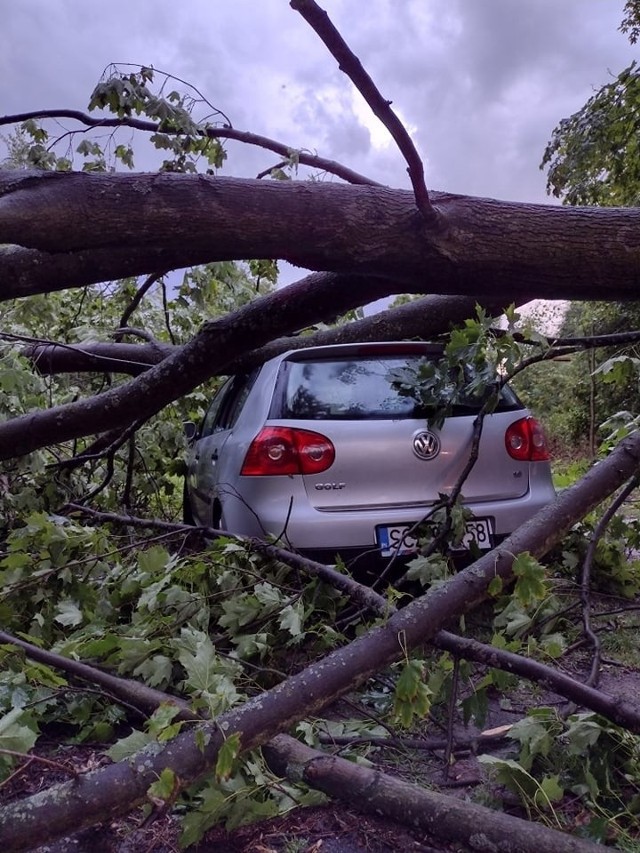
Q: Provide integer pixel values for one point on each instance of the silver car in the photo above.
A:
(318, 449)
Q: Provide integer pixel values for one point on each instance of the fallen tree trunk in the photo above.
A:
(442, 817)
(118, 788)
(142, 223)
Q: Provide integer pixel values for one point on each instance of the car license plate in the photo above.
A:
(395, 539)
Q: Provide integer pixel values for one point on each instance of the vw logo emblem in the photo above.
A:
(426, 445)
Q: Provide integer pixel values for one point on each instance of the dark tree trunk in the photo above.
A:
(145, 223)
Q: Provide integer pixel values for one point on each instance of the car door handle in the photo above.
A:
(214, 456)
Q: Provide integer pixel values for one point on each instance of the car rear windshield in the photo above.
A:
(358, 388)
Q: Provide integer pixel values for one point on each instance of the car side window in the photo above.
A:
(209, 421)
(236, 400)
(227, 404)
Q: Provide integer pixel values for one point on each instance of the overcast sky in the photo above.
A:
(479, 83)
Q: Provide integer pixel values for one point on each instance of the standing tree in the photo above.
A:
(593, 158)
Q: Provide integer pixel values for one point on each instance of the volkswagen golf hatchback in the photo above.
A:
(318, 449)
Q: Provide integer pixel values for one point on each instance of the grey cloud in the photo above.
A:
(484, 82)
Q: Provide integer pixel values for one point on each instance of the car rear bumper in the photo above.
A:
(354, 531)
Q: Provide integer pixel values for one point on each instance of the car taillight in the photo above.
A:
(283, 450)
(525, 440)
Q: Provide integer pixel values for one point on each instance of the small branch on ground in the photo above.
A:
(442, 817)
(132, 692)
(66, 769)
(476, 744)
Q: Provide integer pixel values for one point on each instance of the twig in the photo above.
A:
(128, 483)
(17, 772)
(266, 172)
(48, 762)
(452, 706)
(165, 310)
(106, 445)
(433, 744)
(138, 333)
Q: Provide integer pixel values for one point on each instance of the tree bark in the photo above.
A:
(442, 817)
(141, 223)
(118, 788)
(96, 357)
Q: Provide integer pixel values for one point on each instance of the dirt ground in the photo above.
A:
(333, 828)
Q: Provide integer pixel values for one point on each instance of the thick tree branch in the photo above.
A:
(100, 357)
(422, 318)
(612, 707)
(218, 344)
(141, 223)
(349, 63)
(137, 299)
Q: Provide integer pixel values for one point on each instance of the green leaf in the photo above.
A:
(164, 789)
(620, 370)
(227, 755)
(550, 791)
(412, 696)
(17, 731)
(250, 810)
(209, 676)
(531, 583)
(202, 739)
(476, 707)
(154, 559)
(583, 732)
(554, 645)
(201, 667)
(198, 821)
(511, 774)
(128, 746)
(68, 612)
(495, 587)
(291, 619)
(534, 736)
(161, 718)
